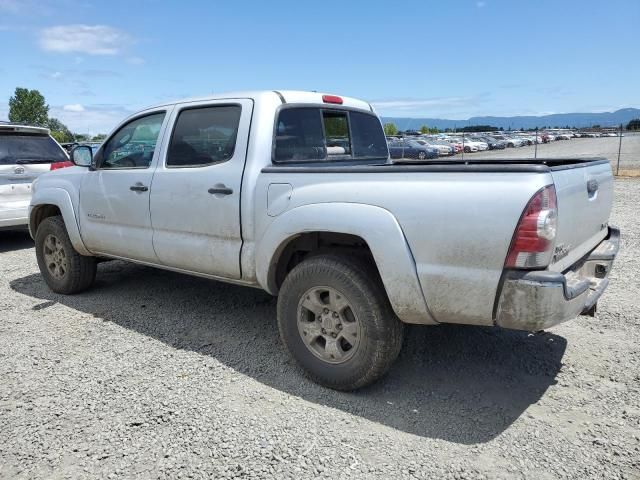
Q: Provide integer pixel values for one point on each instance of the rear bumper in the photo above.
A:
(538, 300)
(14, 217)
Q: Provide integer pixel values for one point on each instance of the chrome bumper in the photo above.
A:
(538, 300)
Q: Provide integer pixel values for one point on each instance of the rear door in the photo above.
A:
(114, 198)
(195, 197)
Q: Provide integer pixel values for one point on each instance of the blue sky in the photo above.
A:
(98, 61)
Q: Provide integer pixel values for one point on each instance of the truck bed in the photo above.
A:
(458, 224)
(540, 165)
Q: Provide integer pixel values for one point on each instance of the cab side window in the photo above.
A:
(134, 144)
(204, 136)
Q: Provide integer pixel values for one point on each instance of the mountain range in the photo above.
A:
(578, 120)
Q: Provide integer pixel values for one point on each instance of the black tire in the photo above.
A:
(381, 332)
(467, 149)
(79, 271)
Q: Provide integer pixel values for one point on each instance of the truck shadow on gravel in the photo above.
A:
(15, 240)
(457, 383)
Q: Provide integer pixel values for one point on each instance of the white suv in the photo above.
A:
(25, 153)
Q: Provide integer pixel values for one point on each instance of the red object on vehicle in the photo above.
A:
(332, 99)
(57, 165)
(532, 243)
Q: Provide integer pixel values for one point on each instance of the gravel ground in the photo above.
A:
(157, 375)
(579, 147)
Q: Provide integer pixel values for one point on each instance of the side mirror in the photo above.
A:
(82, 156)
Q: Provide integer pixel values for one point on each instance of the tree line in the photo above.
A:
(29, 107)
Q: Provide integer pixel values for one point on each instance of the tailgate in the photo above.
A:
(585, 196)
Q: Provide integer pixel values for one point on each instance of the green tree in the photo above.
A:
(478, 128)
(390, 129)
(634, 124)
(28, 106)
(425, 129)
(59, 131)
(99, 138)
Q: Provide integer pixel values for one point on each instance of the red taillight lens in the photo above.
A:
(57, 165)
(332, 99)
(532, 243)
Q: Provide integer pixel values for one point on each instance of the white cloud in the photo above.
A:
(74, 107)
(56, 75)
(135, 60)
(416, 103)
(87, 39)
(97, 118)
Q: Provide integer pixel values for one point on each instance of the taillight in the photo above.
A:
(533, 240)
(332, 99)
(57, 165)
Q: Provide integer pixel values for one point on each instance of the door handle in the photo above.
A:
(220, 190)
(139, 187)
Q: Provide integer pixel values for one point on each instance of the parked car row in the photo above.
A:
(415, 146)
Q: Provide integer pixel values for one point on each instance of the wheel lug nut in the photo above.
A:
(339, 326)
(334, 335)
(323, 330)
(326, 310)
(335, 314)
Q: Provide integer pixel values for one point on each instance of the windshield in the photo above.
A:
(25, 148)
(306, 134)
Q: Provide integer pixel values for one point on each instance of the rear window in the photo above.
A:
(309, 134)
(25, 148)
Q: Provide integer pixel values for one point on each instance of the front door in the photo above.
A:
(195, 199)
(114, 198)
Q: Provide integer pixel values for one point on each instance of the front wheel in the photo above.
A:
(336, 321)
(63, 269)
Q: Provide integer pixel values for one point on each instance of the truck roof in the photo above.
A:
(286, 96)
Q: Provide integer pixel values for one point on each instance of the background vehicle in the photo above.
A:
(25, 153)
(511, 142)
(244, 188)
(466, 145)
(491, 142)
(409, 149)
(443, 149)
(449, 149)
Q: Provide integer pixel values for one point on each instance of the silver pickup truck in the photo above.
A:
(294, 193)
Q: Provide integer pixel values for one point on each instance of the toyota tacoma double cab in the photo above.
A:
(294, 193)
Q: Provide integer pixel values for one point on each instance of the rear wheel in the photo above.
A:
(422, 155)
(63, 269)
(336, 321)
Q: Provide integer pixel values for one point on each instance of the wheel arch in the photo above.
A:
(349, 227)
(51, 202)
